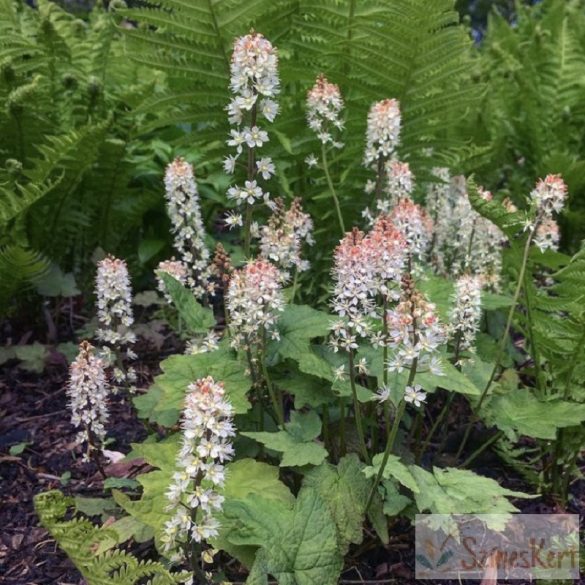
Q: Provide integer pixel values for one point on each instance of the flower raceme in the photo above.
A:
(88, 392)
(466, 312)
(383, 131)
(324, 107)
(114, 302)
(184, 211)
(282, 238)
(365, 266)
(254, 82)
(193, 495)
(174, 268)
(414, 332)
(254, 300)
(415, 225)
(549, 195)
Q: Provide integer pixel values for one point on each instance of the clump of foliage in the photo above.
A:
(304, 406)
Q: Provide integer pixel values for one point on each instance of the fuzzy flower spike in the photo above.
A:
(193, 495)
(184, 211)
(548, 197)
(254, 300)
(466, 313)
(115, 316)
(324, 107)
(255, 83)
(383, 131)
(88, 392)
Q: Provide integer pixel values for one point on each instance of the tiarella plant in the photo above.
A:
(279, 429)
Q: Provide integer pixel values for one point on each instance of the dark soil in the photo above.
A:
(33, 410)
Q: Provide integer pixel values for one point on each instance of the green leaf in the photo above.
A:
(394, 469)
(18, 448)
(164, 400)
(394, 501)
(95, 506)
(296, 442)
(196, 318)
(32, 357)
(344, 488)
(120, 482)
(55, 283)
(297, 546)
(460, 491)
(521, 413)
(247, 477)
(307, 390)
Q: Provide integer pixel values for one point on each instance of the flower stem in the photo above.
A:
(357, 409)
(332, 188)
(503, 340)
(391, 438)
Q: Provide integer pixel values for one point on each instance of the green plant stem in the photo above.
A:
(357, 409)
(435, 426)
(332, 189)
(502, 344)
(540, 384)
(342, 443)
(274, 395)
(391, 438)
(251, 172)
(294, 287)
(482, 448)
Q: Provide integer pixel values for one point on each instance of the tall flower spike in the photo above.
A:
(466, 313)
(415, 225)
(254, 300)
(324, 107)
(88, 392)
(415, 331)
(354, 274)
(282, 238)
(189, 233)
(205, 446)
(174, 268)
(549, 195)
(254, 81)
(383, 131)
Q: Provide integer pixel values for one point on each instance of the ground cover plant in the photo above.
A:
(276, 270)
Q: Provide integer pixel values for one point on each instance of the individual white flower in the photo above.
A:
(88, 393)
(233, 219)
(311, 161)
(229, 164)
(255, 137)
(382, 394)
(414, 395)
(265, 167)
(339, 374)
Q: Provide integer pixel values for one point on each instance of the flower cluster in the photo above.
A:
(464, 241)
(415, 332)
(189, 234)
(547, 235)
(383, 131)
(548, 197)
(254, 81)
(400, 181)
(466, 313)
(324, 106)
(114, 302)
(206, 445)
(415, 225)
(174, 268)
(88, 392)
(254, 299)
(365, 266)
(282, 238)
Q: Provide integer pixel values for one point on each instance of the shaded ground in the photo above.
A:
(33, 410)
